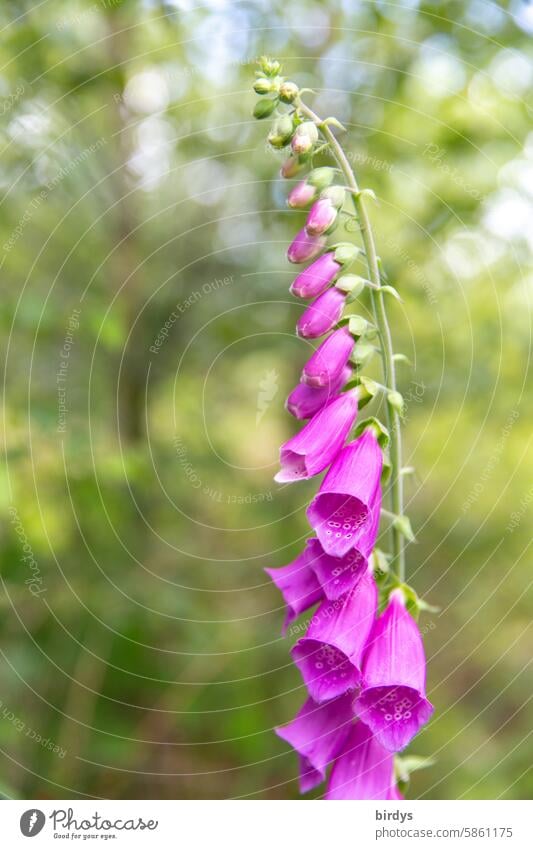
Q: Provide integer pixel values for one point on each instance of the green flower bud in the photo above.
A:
(264, 86)
(264, 108)
(281, 133)
(288, 92)
(270, 67)
(321, 178)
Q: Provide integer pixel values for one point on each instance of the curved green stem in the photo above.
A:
(380, 315)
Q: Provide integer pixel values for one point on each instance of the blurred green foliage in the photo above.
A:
(140, 636)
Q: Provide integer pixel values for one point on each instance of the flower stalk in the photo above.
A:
(381, 319)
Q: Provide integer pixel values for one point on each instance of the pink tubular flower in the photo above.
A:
(304, 247)
(317, 733)
(344, 509)
(329, 656)
(328, 361)
(311, 450)
(393, 700)
(337, 575)
(304, 401)
(298, 585)
(321, 217)
(322, 314)
(363, 770)
(301, 195)
(316, 277)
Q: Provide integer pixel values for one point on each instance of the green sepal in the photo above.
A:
(381, 432)
(335, 195)
(405, 765)
(403, 524)
(395, 400)
(401, 358)
(345, 252)
(415, 605)
(333, 122)
(369, 193)
(321, 178)
(362, 353)
(390, 290)
(352, 284)
(358, 326)
(379, 563)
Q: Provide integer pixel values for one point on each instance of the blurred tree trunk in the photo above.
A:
(126, 276)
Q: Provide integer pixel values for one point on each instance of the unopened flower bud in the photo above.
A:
(305, 137)
(264, 108)
(322, 216)
(281, 132)
(288, 92)
(301, 195)
(304, 247)
(316, 277)
(265, 86)
(269, 67)
(291, 167)
(321, 177)
(322, 314)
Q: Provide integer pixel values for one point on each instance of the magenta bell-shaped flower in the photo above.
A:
(317, 733)
(304, 401)
(337, 575)
(363, 770)
(304, 247)
(321, 217)
(343, 512)
(316, 277)
(298, 585)
(393, 700)
(311, 450)
(301, 195)
(328, 361)
(329, 656)
(322, 314)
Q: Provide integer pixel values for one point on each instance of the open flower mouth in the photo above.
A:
(394, 713)
(336, 518)
(339, 575)
(326, 670)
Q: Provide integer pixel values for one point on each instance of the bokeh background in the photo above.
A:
(147, 339)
